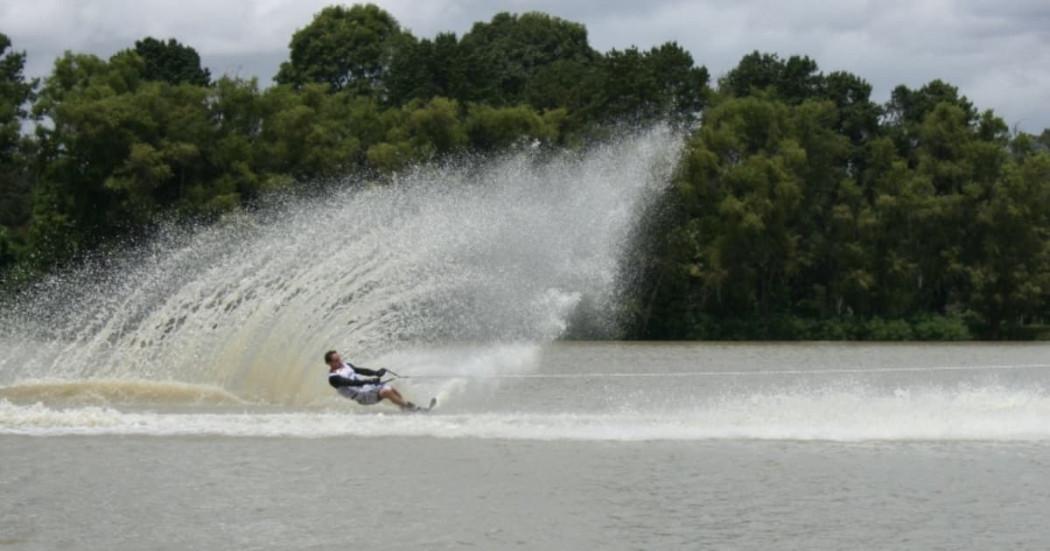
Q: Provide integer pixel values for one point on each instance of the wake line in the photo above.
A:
(970, 414)
(727, 373)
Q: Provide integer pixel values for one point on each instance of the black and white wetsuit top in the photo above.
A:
(352, 381)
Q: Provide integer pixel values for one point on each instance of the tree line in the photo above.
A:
(801, 208)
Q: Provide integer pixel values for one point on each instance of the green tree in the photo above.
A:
(907, 110)
(502, 56)
(171, 62)
(661, 82)
(794, 80)
(1044, 139)
(309, 133)
(804, 218)
(565, 83)
(118, 149)
(742, 188)
(418, 132)
(907, 106)
(15, 94)
(682, 84)
(858, 115)
(1011, 272)
(491, 128)
(347, 49)
(427, 69)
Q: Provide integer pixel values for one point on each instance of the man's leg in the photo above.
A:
(391, 393)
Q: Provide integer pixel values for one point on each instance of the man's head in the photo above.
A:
(332, 359)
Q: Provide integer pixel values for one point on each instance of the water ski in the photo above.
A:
(419, 409)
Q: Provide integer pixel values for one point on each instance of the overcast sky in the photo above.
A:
(996, 51)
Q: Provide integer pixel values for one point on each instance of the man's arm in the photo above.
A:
(367, 372)
(338, 381)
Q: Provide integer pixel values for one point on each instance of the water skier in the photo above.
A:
(362, 385)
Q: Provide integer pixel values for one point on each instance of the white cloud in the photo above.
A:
(997, 52)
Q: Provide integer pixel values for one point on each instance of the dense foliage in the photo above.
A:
(801, 208)
(804, 210)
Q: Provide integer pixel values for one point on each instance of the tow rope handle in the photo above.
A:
(390, 380)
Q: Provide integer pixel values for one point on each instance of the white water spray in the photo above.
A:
(499, 252)
(850, 414)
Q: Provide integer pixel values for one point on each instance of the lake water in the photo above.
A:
(564, 446)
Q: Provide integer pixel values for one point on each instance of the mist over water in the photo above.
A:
(498, 253)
